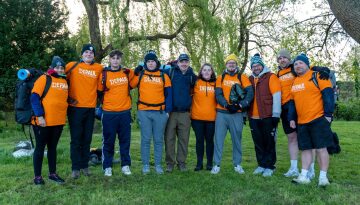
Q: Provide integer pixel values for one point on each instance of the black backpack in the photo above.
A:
(335, 147)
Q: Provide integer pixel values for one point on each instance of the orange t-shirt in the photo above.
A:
(286, 80)
(151, 89)
(83, 83)
(308, 98)
(274, 86)
(203, 105)
(55, 102)
(117, 97)
(227, 83)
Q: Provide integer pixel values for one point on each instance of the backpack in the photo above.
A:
(142, 73)
(335, 147)
(332, 79)
(22, 104)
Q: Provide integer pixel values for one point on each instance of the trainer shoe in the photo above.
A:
(146, 169)
(182, 167)
(86, 172)
(292, 173)
(215, 169)
(169, 168)
(126, 170)
(108, 172)
(38, 180)
(301, 179)
(159, 169)
(311, 174)
(54, 177)
(239, 169)
(324, 181)
(268, 172)
(259, 170)
(75, 174)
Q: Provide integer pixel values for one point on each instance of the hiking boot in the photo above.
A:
(182, 167)
(215, 169)
(146, 169)
(301, 179)
(169, 168)
(86, 172)
(108, 172)
(259, 170)
(268, 172)
(38, 180)
(75, 174)
(292, 173)
(126, 170)
(159, 169)
(198, 168)
(239, 169)
(323, 181)
(54, 177)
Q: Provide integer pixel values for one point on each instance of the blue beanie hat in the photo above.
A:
(256, 59)
(86, 47)
(150, 55)
(57, 61)
(302, 57)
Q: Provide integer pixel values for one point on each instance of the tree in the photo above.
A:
(347, 13)
(31, 31)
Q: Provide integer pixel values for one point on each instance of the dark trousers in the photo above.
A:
(204, 132)
(263, 133)
(113, 124)
(81, 121)
(46, 136)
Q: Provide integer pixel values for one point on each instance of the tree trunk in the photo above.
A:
(347, 12)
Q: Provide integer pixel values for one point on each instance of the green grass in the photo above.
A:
(181, 188)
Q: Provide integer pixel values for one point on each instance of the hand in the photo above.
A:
(41, 121)
(233, 108)
(275, 121)
(328, 119)
(324, 75)
(292, 124)
(138, 69)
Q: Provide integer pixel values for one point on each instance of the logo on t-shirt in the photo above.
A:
(88, 73)
(298, 87)
(118, 81)
(286, 77)
(229, 83)
(154, 80)
(62, 86)
(206, 88)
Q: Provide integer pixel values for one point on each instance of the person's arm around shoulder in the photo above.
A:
(168, 94)
(327, 94)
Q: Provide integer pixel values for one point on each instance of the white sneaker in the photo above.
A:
(268, 172)
(239, 169)
(215, 169)
(324, 181)
(108, 172)
(146, 169)
(126, 170)
(311, 174)
(292, 173)
(159, 169)
(302, 179)
(259, 170)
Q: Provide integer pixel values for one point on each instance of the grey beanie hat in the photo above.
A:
(284, 53)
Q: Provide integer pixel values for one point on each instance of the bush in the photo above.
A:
(348, 110)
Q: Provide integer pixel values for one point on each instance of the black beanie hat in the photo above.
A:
(151, 55)
(86, 47)
(57, 61)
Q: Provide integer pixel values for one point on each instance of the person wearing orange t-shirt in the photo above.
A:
(229, 116)
(264, 115)
(114, 84)
(83, 78)
(314, 105)
(50, 117)
(154, 105)
(203, 114)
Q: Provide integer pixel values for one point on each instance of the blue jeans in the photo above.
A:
(152, 125)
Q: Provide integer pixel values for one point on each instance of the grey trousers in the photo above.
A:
(152, 124)
(179, 124)
(223, 123)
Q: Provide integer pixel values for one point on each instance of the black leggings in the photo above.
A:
(46, 136)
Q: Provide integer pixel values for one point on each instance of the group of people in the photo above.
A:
(171, 101)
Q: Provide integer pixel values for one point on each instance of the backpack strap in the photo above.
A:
(47, 86)
(72, 68)
(314, 79)
(127, 73)
(138, 85)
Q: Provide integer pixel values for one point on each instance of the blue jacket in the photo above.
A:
(181, 88)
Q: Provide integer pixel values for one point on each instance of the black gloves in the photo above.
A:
(233, 108)
(324, 72)
(275, 121)
(138, 69)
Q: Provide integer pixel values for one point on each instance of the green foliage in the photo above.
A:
(348, 110)
(31, 32)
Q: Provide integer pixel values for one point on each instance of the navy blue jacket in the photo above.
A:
(181, 85)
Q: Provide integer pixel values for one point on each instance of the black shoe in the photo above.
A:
(39, 180)
(198, 168)
(208, 167)
(56, 178)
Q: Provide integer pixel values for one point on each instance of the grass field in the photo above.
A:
(191, 187)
